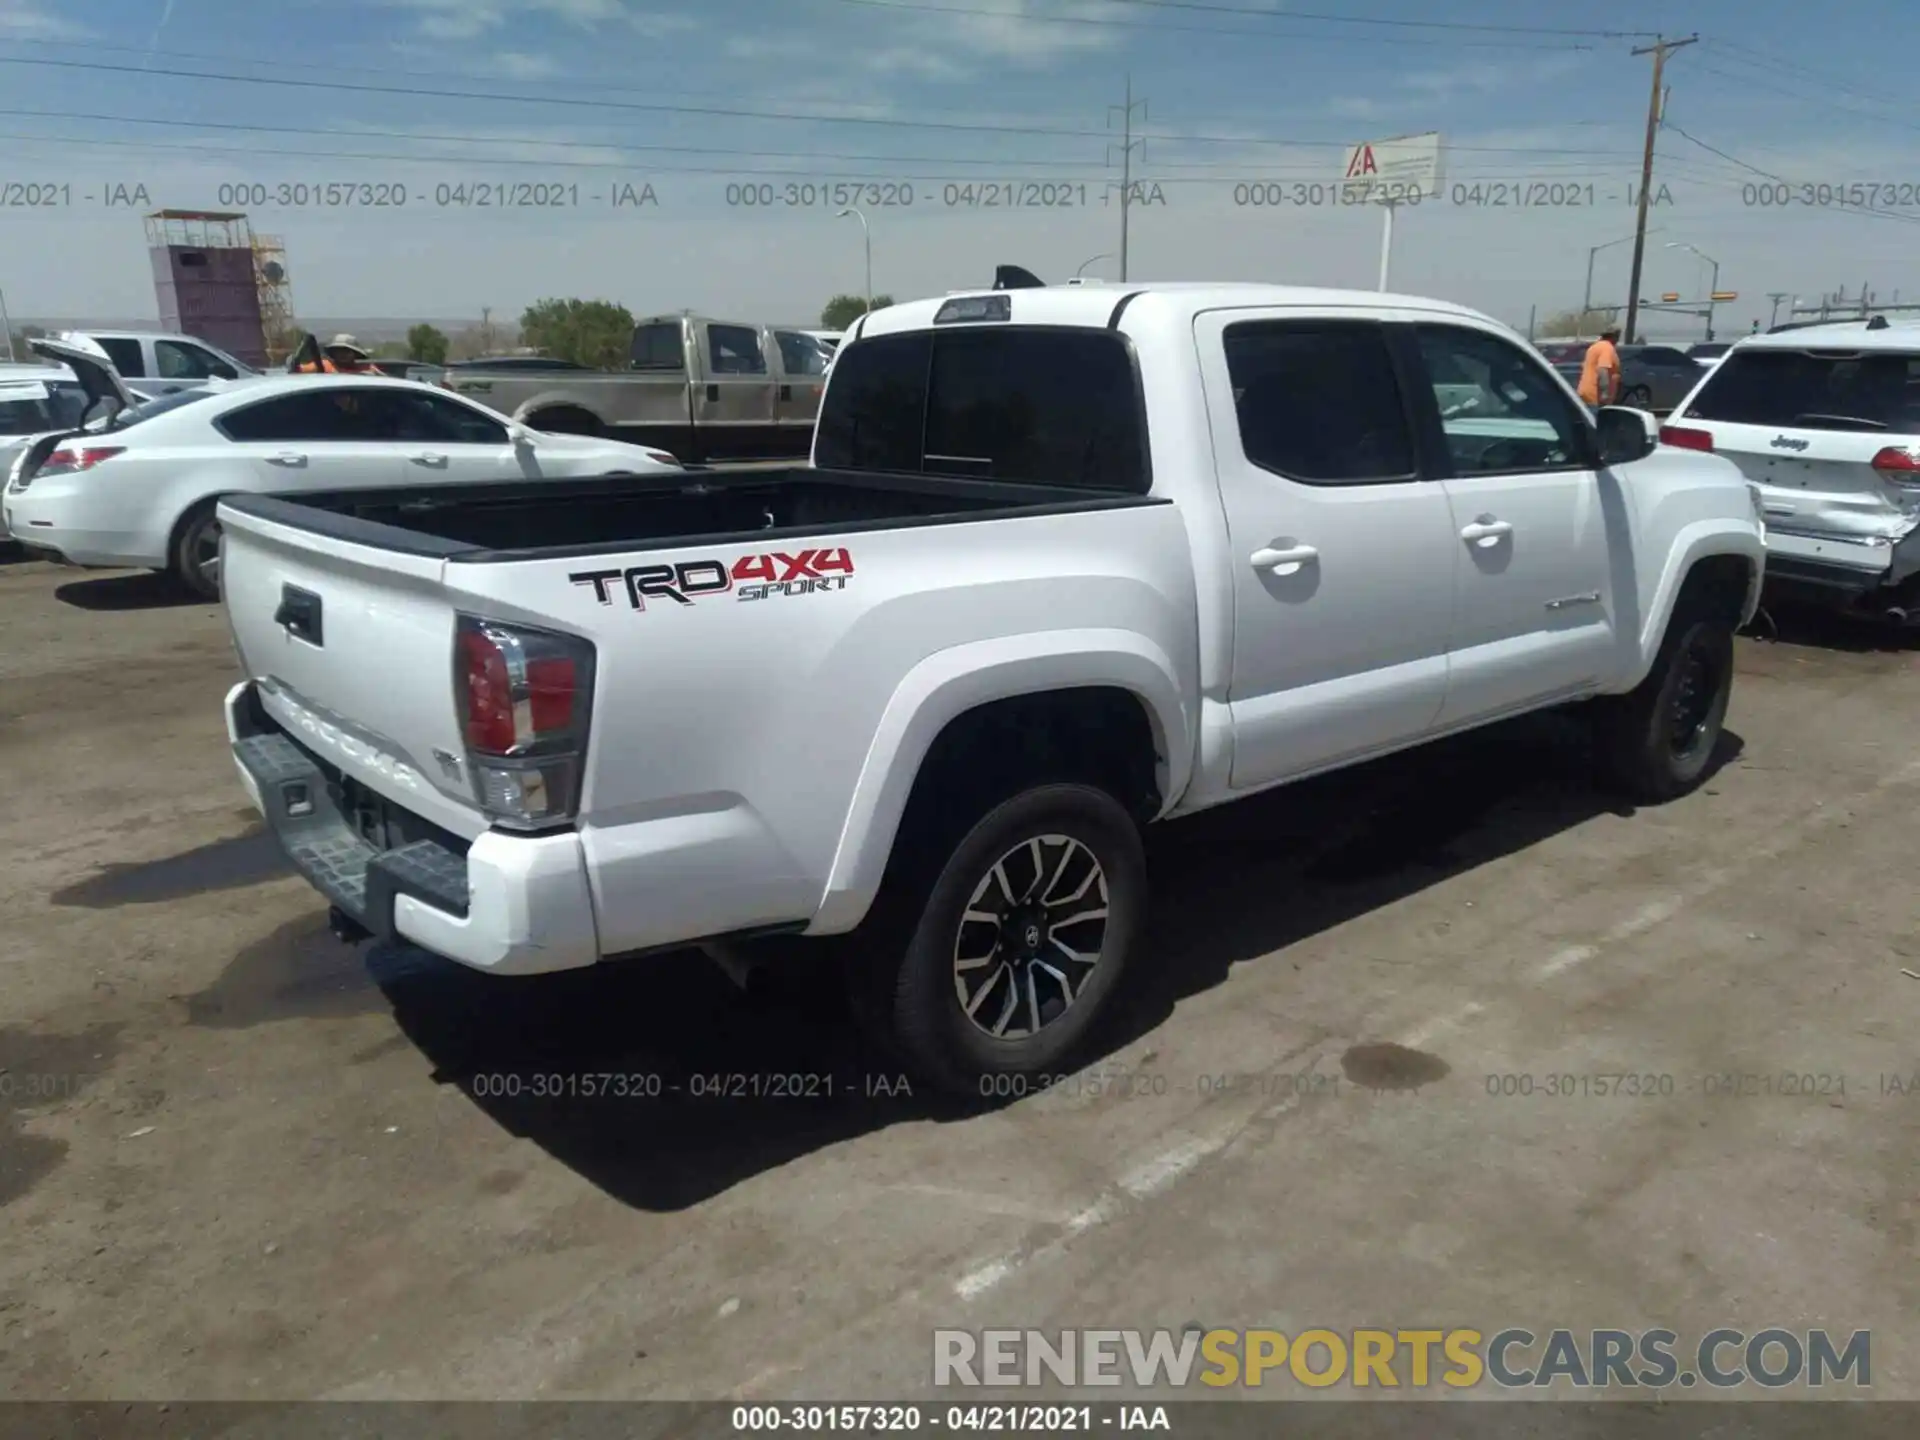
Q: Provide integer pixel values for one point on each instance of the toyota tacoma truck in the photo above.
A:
(1067, 562)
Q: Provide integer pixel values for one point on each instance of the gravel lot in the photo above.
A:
(238, 1160)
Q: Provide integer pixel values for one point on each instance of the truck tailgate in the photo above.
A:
(353, 649)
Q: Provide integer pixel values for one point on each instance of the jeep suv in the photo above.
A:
(1825, 421)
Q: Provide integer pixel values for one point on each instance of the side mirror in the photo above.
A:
(521, 437)
(1626, 434)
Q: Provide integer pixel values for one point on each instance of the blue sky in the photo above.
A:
(436, 100)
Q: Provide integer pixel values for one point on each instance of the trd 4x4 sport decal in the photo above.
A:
(749, 577)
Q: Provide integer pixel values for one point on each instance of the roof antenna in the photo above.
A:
(1012, 277)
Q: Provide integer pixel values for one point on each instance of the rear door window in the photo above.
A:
(1858, 391)
(175, 361)
(735, 350)
(125, 355)
(335, 413)
(1318, 401)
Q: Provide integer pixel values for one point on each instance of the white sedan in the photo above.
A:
(140, 486)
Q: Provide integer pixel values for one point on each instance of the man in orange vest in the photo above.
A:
(341, 355)
(1600, 370)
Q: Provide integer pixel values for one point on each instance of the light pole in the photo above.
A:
(1084, 263)
(869, 236)
(1713, 285)
(1587, 303)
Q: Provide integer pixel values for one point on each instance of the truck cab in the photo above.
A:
(166, 362)
(699, 388)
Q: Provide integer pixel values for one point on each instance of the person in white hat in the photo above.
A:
(347, 356)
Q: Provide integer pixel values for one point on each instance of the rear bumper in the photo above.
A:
(508, 904)
(1842, 564)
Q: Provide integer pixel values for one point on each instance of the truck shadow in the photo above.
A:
(664, 1084)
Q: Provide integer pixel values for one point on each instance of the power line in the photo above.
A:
(1781, 179)
(596, 145)
(889, 122)
(1392, 24)
(1271, 16)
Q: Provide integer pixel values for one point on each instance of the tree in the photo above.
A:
(428, 344)
(842, 310)
(1578, 322)
(595, 333)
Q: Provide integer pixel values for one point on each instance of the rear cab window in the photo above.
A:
(1021, 404)
(1831, 389)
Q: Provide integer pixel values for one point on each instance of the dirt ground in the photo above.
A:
(240, 1160)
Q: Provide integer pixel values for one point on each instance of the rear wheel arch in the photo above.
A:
(1134, 738)
(561, 418)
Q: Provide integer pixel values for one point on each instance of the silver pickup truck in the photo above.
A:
(701, 389)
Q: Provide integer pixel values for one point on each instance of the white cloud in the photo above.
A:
(469, 19)
(1018, 31)
(24, 20)
(518, 65)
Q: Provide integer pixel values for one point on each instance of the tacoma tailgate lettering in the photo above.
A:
(809, 572)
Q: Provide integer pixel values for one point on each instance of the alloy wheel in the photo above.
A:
(1030, 937)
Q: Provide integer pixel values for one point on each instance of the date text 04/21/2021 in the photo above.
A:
(953, 195)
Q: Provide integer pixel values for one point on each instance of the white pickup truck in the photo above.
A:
(1068, 561)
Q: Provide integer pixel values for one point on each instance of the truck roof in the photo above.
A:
(1092, 304)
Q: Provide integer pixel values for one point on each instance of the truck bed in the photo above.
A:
(550, 519)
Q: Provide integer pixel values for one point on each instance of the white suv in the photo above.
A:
(1825, 422)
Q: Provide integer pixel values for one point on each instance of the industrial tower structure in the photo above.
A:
(220, 283)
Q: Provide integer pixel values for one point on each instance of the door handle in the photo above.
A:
(713, 393)
(1486, 531)
(428, 457)
(1291, 558)
(287, 457)
(786, 392)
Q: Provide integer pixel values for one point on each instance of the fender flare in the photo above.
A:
(951, 682)
(1700, 540)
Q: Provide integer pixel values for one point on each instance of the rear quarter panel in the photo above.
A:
(751, 752)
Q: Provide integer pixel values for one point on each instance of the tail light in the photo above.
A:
(72, 462)
(1682, 438)
(1898, 466)
(662, 457)
(525, 697)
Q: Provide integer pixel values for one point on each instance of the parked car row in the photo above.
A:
(113, 478)
(1067, 561)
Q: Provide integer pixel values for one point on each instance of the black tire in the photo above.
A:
(910, 975)
(1655, 742)
(195, 543)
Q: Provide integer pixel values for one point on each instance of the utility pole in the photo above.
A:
(1126, 161)
(1659, 50)
(486, 328)
(6, 327)
(1776, 296)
